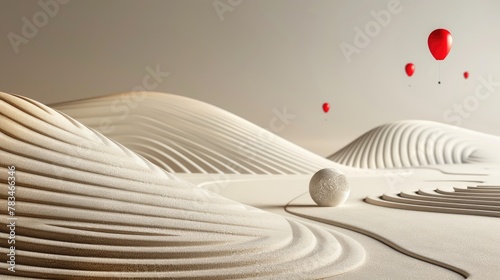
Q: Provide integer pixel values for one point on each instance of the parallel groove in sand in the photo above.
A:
(88, 208)
(479, 201)
(417, 143)
(188, 136)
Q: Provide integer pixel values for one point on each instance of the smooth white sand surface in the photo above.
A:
(463, 245)
(274, 193)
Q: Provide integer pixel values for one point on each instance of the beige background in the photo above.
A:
(259, 57)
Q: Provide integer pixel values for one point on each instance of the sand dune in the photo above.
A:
(418, 143)
(89, 208)
(477, 200)
(184, 135)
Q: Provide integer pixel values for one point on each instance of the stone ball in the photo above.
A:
(329, 187)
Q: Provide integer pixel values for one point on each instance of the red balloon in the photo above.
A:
(439, 42)
(466, 74)
(410, 69)
(326, 107)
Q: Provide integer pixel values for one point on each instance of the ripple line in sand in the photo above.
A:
(473, 200)
(183, 135)
(89, 208)
(418, 143)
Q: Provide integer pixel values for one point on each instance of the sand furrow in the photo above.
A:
(89, 208)
(479, 201)
(191, 136)
(418, 143)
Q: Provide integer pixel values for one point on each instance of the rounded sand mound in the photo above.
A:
(418, 143)
(184, 135)
(89, 208)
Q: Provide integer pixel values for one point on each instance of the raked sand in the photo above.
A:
(167, 190)
(89, 208)
(185, 135)
(418, 143)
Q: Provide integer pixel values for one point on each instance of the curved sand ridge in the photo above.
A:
(478, 200)
(89, 208)
(418, 143)
(184, 135)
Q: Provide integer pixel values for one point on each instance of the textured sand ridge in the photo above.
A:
(184, 135)
(477, 200)
(89, 208)
(418, 143)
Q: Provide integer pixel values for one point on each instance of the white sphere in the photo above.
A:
(329, 187)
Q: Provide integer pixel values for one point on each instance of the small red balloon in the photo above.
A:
(410, 69)
(466, 75)
(440, 42)
(326, 107)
